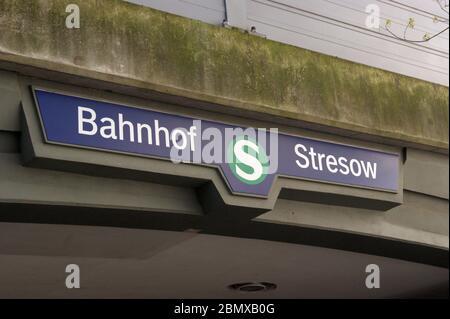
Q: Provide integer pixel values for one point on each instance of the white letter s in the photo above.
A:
(248, 159)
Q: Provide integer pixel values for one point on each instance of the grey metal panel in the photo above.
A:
(426, 173)
(236, 13)
(9, 101)
(352, 13)
(209, 11)
(338, 29)
(419, 5)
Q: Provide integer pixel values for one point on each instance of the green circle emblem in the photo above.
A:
(247, 160)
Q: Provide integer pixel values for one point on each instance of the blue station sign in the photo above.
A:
(249, 159)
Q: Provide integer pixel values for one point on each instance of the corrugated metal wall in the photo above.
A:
(336, 27)
(210, 11)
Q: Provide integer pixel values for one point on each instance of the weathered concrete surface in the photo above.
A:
(131, 45)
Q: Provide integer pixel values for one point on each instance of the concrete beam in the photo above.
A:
(129, 45)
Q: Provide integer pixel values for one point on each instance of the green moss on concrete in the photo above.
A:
(227, 66)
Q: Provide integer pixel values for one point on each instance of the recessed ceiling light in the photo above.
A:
(253, 286)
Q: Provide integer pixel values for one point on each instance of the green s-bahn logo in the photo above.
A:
(247, 160)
